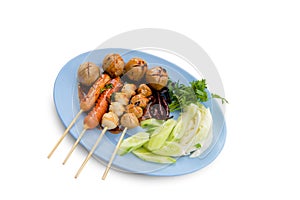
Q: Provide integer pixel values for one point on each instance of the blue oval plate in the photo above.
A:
(67, 106)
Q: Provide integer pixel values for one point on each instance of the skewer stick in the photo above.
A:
(114, 154)
(74, 146)
(91, 152)
(66, 132)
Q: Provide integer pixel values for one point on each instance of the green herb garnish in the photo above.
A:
(107, 86)
(219, 97)
(182, 95)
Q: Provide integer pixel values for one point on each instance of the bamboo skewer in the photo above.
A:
(91, 152)
(65, 133)
(74, 146)
(114, 154)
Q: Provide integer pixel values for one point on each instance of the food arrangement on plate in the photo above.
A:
(118, 95)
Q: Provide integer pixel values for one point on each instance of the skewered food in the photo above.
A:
(86, 103)
(95, 115)
(135, 69)
(144, 90)
(110, 120)
(129, 89)
(129, 120)
(136, 110)
(157, 77)
(139, 100)
(88, 73)
(120, 97)
(113, 64)
(88, 100)
(117, 108)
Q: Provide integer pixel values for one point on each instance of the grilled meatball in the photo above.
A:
(121, 97)
(144, 90)
(135, 69)
(129, 120)
(113, 64)
(110, 120)
(117, 108)
(136, 110)
(129, 89)
(139, 100)
(88, 73)
(157, 77)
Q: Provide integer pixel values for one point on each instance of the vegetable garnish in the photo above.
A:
(182, 95)
(107, 86)
(219, 97)
(164, 141)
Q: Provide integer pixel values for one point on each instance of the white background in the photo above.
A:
(255, 46)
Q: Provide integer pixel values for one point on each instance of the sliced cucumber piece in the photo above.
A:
(170, 149)
(151, 157)
(159, 137)
(133, 142)
(150, 123)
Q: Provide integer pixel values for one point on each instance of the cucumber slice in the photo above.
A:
(151, 123)
(151, 157)
(177, 132)
(133, 142)
(170, 149)
(159, 137)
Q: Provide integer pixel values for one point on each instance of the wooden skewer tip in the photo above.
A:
(65, 133)
(91, 152)
(114, 154)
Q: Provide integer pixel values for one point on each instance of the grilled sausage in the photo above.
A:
(89, 100)
(95, 115)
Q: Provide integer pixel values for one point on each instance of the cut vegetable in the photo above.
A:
(151, 157)
(170, 149)
(158, 138)
(150, 123)
(189, 135)
(177, 132)
(133, 142)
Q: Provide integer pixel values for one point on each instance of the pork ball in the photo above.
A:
(139, 100)
(129, 89)
(88, 73)
(117, 108)
(129, 120)
(113, 64)
(144, 90)
(157, 77)
(110, 120)
(135, 69)
(136, 110)
(120, 97)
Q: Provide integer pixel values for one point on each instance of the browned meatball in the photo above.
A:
(157, 77)
(113, 64)
(135, 69)
(129, 120)
(129, 89)
(136, 110)
(144, 90)
(88, 73)
(139, 100)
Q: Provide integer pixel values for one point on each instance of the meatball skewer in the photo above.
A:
(86, 103)
(125, 120)
(94, 117)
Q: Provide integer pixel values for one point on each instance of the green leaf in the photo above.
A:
(216, 96)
